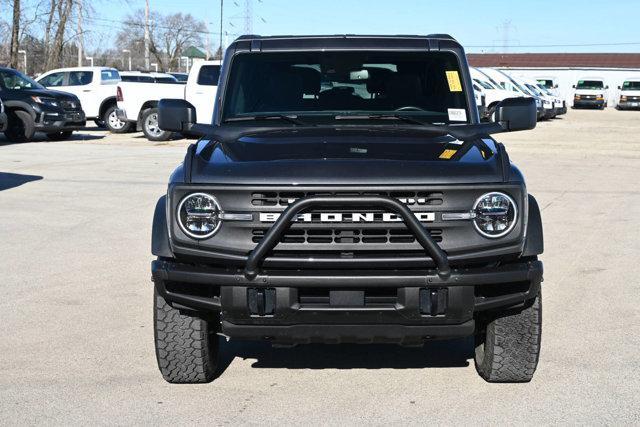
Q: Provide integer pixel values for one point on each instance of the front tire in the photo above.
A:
(508, 345)
(113, 123)
(150, 126)
(186, 347)
(21, 127)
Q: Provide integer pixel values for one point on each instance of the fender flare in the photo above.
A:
(534, 244)
(19, 105)
(160, 245)
(105, 104)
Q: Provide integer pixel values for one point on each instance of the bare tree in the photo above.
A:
(177, 33)
(169, 36)
(15, 35)
(54, 58)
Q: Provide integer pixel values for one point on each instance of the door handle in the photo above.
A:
(86, 90)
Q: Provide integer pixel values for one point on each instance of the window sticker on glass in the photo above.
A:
(457, 114)
(453, 78)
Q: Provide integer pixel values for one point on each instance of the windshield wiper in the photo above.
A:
(396, 116)
(291, 118)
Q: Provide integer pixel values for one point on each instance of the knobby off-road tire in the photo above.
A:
(508, 349)
(186, 346)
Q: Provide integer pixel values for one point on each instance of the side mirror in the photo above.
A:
(516, 114)
(619, 87)
(606, 87)
(176, 115)
(555, 86)
(573, 86)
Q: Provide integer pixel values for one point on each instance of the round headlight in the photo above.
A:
(495, 215)
(199, 215)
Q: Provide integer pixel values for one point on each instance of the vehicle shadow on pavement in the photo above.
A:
(434, 354)
(12, 180)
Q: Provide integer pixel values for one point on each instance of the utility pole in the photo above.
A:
(146, 37)
(221, 15)
(80, 36)
(248, 16)
(506, 26)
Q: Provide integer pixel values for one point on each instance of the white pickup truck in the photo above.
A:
(96, 89)
(138, 102)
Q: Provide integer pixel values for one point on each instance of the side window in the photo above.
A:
(80, 78)
(53, 80)
(109, 75)
(209, 75)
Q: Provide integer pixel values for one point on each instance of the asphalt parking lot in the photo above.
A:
(76, 344)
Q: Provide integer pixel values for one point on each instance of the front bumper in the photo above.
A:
(629, 105)
(57, 120)
(300, 306)
(588, 103)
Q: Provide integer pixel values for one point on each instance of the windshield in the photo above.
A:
(534, 89)
(633, 85)
(11, 79)
(484, 84)
(520, 88)
(589, 84)
(544, 90)
(546, 83)
(425, 85)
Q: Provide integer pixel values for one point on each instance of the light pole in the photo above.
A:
(24, 52)
(89, 58)
(186, 65)
(129, 52)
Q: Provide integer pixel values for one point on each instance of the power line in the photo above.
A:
(558, 45)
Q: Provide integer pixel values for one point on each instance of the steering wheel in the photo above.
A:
(410, 108)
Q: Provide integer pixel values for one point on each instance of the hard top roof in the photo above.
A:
(346, 41)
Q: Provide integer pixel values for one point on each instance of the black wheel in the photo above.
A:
(186, 346)
(150, 126)
(508, 345)
(60, 136)
(20, 127)
(113, 123)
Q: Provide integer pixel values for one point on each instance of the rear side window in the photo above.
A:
(110, 75)
(80, 78)
(53, 80)
(166, 80)
(209, 75)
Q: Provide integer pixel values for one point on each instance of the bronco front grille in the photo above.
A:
(285, 198)
(347, 236)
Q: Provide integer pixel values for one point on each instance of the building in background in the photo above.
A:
(566, 68)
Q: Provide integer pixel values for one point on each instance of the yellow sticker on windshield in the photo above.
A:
(454, 81)
(447, 154)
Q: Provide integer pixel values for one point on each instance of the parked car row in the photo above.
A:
(494, 85)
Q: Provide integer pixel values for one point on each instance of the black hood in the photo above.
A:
(346, 157)
(48, 93)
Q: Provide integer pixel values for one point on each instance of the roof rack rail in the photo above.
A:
(441, 36)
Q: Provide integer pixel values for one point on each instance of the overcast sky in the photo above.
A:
(531, 25)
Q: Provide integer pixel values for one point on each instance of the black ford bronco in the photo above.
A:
(346, 192)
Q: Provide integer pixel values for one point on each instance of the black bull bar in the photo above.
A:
(283, 223)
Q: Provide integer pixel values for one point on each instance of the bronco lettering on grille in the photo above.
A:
(347, 217)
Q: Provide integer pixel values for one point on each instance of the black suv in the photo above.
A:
(32, 108)
(347, 192)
